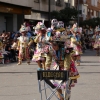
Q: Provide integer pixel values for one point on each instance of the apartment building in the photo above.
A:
(69, 3)
(41, 8)
(14, 12)
(89, 8)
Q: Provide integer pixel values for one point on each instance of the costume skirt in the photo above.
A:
(38, 55)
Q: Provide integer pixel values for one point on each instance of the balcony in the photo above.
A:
(81, 1)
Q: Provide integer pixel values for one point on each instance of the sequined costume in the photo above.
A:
(23, 45)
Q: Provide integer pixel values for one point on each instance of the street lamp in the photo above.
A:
(78, 12)
(49, 11)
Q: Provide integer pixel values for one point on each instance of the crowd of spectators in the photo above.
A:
(9, 39)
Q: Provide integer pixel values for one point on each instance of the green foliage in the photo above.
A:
(91, 22)
(65, 14)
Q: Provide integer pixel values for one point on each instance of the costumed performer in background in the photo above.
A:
(39, 56)
(24, 43)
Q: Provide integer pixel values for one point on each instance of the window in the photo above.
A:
(37, 1)
(58, 3)
(97, 13)
(94, 2)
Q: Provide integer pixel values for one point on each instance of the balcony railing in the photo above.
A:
(37, 1)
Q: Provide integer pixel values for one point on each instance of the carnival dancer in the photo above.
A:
(75, 43)
(49, 37)
(48, 56)
(61, 59)
(23, 46)
(61, 62)
(74, 75)
(39, 56)
(97, 41)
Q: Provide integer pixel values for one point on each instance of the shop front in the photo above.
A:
(12, 16)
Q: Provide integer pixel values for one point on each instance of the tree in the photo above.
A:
(65, 15)
(91, 22)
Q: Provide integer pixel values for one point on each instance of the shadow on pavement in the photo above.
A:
(90, 62)
(90, 72)
(17, 72)
(89, 53)
(90, 65)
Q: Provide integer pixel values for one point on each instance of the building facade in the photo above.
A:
(70, 3)
(14, 12)
(88, 8)
(41, 8)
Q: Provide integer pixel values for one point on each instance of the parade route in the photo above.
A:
(20, 82)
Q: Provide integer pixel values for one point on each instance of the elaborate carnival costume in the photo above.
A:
(73, 70)
(23, 46)
(97, 40)
(60, 53)
(76, 44)
(47, 47)
(40, 40)
(49, 37)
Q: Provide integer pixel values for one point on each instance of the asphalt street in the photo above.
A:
(20, 82)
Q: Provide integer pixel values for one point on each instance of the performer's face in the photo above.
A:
(54, 31)
(42, 32)
(23, 33)
(55, 47)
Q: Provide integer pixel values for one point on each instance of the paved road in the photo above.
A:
(20, 82)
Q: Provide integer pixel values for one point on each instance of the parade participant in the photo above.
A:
(1, 47)
(57, 51)
(23, 46)
(49, 37)
(97, 41)
(73, 70)
(75, 43)
(39, 56)
(62, 62)
(47, 47)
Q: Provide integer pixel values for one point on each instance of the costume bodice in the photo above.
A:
(98, 37)
(74, 40)
(24, 40)
(41, 41)
(58, 55)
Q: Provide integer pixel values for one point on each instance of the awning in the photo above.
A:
(9, 8)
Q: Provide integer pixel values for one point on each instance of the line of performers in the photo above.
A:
(96, 40)
(54, 45)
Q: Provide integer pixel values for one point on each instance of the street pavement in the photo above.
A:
(20, 82)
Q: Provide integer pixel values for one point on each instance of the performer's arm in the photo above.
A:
(36, 40)
(18, 45)
(30, 42)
